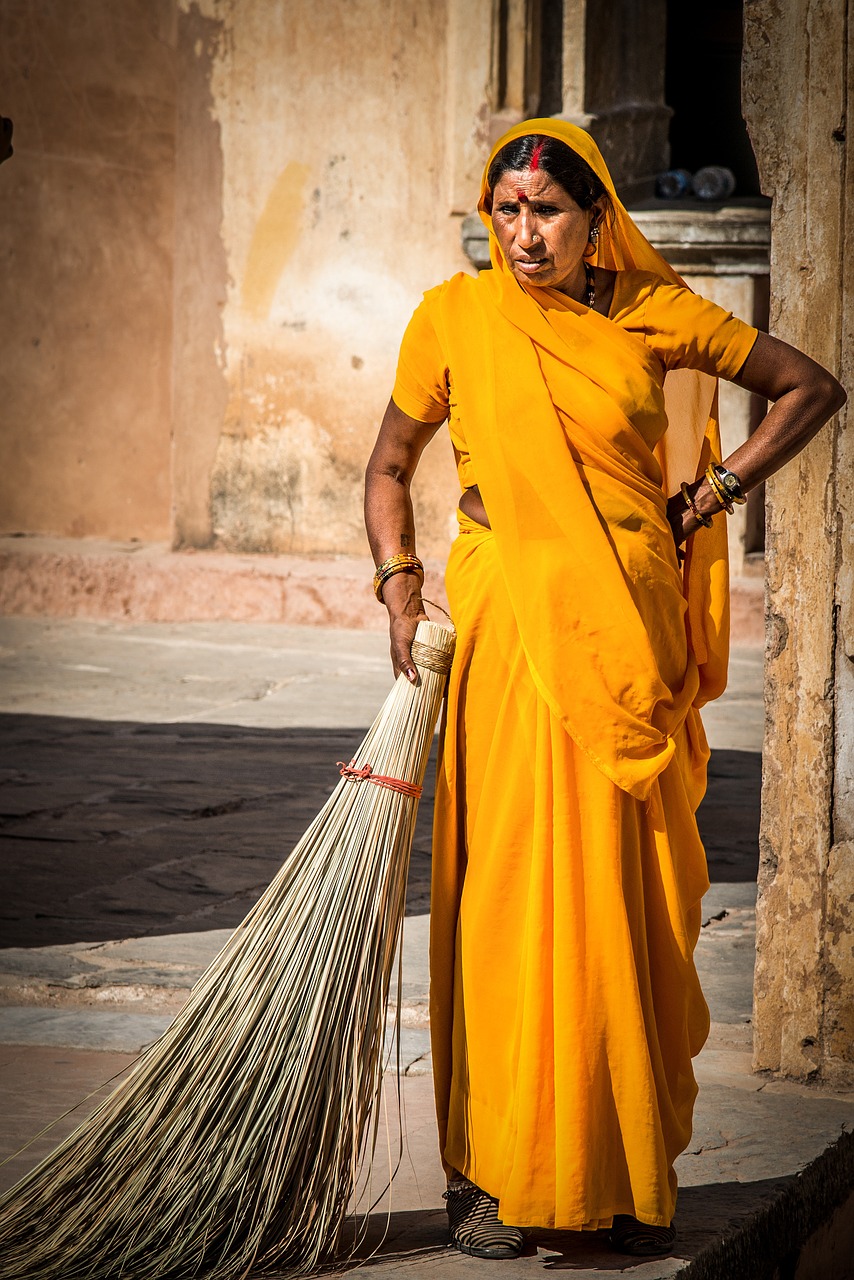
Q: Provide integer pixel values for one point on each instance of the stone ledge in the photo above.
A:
(147, 582)
(804, 1229)
(725, 239)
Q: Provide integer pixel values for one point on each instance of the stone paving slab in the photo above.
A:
(174, 828)
(38, 1085)
(115, 823)
(260, 675)
(113, 826)
(723, 1179)
(172, 961)
(111, 1032)
(81, 1029)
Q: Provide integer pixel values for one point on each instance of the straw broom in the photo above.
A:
(235, 1143)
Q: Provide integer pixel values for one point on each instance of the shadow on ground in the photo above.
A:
(704, 1214)
(116, 830)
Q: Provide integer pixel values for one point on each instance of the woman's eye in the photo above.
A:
(508, 209)
(547, 209)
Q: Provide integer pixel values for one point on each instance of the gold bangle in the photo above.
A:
(402, 563)
(705, 521)
(714, 482)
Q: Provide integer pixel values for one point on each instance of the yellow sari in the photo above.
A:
(567, 867)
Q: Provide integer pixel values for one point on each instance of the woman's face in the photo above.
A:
(541, 230)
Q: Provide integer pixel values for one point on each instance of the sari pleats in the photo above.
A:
(565, 1005)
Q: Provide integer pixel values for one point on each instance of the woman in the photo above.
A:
(592, 622)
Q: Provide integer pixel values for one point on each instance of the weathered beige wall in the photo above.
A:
(86, 245)
(200, 391)
(804, 1014)
(218, 220)
(335, 218)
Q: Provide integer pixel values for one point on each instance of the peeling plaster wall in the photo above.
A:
(218, 218)
(86, 252)
(804, 990)
(334, 220)
(201, 281)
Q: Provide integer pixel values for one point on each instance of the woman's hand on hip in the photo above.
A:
(682, 520)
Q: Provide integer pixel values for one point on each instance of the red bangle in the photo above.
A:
(705, 521)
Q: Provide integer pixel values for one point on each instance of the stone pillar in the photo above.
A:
(796, 104)
(471, 40)
(613, 85)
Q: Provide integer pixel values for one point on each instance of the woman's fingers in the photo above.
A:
(402, 633)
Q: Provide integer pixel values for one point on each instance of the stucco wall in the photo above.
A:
(217, 222)
(86, 245)
(334, 220)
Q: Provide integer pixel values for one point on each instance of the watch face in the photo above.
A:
(729, 480)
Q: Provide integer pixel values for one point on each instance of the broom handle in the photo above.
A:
(424, 600)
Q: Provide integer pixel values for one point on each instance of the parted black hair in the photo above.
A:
(563, 165)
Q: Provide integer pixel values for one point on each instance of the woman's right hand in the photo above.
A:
(402, 597)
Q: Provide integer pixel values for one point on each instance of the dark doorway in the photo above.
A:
(703, 88)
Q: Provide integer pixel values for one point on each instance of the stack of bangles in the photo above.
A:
(403, 563)
(726, 487)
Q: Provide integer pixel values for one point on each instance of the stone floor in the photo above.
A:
(153, 778)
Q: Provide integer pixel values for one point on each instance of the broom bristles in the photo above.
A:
(236, 1141)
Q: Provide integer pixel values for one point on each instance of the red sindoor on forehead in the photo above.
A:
(521, 197)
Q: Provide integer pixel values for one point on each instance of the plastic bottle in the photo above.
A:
(673, 184)
(714, 182)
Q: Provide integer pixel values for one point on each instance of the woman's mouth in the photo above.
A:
(530, 265)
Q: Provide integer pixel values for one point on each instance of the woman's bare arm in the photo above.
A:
(390, 524)
(804, 397)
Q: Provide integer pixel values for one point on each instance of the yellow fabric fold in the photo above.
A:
(564, 1002)
(576, 506)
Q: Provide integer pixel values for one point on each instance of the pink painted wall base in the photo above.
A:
(147, 582)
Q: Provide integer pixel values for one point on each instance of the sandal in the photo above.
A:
(475, 1226)
(640, 1239)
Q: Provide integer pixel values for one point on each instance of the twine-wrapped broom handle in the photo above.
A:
(438, 660)
(424, 655)
(435, 657)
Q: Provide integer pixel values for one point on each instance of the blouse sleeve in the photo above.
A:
(421, 383)
(689, 332)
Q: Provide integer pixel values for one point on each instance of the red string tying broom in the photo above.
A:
(236, 1141)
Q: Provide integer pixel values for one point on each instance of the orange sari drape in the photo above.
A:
(568, 871)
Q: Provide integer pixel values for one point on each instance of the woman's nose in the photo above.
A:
(526, 228)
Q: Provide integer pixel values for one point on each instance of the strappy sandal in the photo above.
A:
(640, 1239)
(475, 1226)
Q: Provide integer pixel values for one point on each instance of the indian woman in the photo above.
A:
(588, 586)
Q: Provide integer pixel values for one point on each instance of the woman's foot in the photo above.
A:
(627, 1235)
(475, 1226)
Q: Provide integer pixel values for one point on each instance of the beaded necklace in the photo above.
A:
(590, 297)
